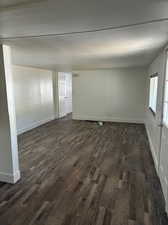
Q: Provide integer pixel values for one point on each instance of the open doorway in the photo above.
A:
(65, 93)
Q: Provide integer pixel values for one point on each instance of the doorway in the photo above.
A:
(65, 93)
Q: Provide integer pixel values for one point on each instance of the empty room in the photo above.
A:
(83, 112)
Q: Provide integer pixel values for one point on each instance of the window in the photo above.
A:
(153, 92)
(165, 110)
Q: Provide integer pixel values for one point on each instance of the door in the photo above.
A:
(163, 167)
(65, 93)
(62, 94)
(68, 93)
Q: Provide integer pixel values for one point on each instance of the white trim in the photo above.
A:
(35, 124)
(10, 178)
(152, 149)
(109, 119)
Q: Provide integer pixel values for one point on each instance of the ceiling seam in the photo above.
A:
(85, 31)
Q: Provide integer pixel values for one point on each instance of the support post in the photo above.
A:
(9, 163)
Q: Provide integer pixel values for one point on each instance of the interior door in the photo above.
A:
(163, 168)
(68, 93)
(62, 94)
(65, 93)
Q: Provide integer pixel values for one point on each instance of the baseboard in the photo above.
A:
(152, 149)
(10, 178)
(34, 125)
(107, 119)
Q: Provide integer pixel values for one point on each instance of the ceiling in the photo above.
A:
(9, 4)
(126, 40)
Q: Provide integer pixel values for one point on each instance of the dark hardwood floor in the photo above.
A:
(79, 173)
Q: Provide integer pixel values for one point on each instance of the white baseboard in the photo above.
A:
(152, 149)
(10, 178)
(108, 119)
(34, 125)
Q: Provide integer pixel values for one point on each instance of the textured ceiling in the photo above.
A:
(55, 16)
(7, 4)
(129, 46)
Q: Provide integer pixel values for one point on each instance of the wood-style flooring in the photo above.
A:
(79, 173)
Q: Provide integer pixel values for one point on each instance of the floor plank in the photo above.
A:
(80, 173)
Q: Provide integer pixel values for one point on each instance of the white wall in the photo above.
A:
(9, 164)
(110, 95)
(33, 97)
(152, 122)
(157, 137)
